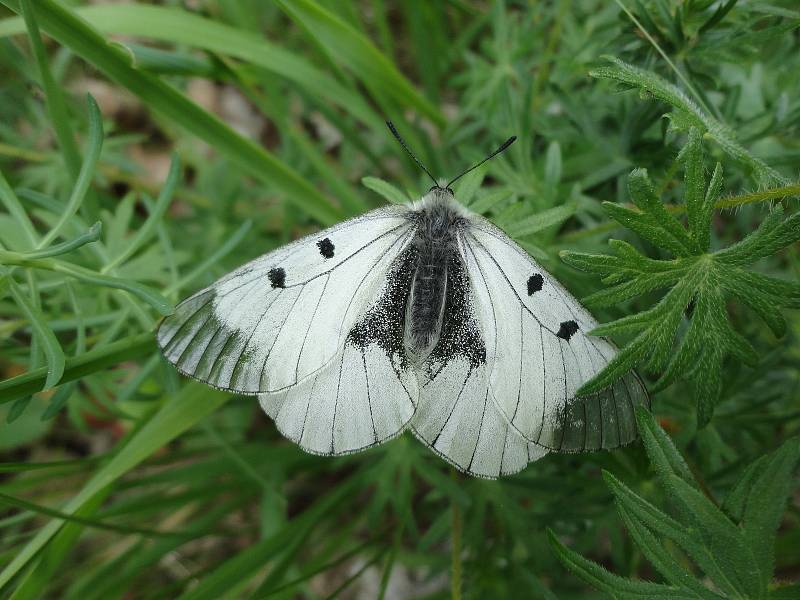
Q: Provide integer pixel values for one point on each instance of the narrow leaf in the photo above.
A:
(385, 189)
(52, 349)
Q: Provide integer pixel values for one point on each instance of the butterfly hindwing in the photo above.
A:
(456, 417)
(539, 351)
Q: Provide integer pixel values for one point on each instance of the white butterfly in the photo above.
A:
(424, 316)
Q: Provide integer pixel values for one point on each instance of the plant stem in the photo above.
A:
(455, 579)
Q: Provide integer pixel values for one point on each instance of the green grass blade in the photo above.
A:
(153, 219)
(17, 212)
(143, 292)
(92, 235)
(56, 103)
(95, 145)
(352, 49)
(385, 189)
(114, 62)
(182, 27)
(79, 366)
(180, 413)
(52, 349)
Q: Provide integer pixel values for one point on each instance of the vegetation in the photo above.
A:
(215, 131)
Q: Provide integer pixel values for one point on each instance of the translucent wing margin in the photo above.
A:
(539, 352)
(282, 317)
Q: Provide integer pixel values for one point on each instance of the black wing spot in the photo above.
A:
(535, 283)
(326, 247)
(277, 277)
(567, 329)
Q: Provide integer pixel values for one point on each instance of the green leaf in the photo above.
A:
(92, 235)
(177, 415)
(691, 114)
(724, 540)
(662, 453)
(177, 26)
(356, 52)
(614, 585)
(45, 335)
(75, 367)
(17, 408)
(698, 280)
(237, 570)
(148, 229)
(541, 220)
(468, 185)
(385, 189)
(114, 62)
(56, 103)
(692, 157)
(95, 145)
(758, 501)
(14, 208)
(145, 293)
(640, 517)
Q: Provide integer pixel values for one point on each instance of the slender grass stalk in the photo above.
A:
(56, 103)
(455, 545)
(85, 176)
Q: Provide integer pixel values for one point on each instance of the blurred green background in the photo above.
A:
(123, 480)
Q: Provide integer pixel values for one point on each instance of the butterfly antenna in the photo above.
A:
(391, 127)
(505, 145)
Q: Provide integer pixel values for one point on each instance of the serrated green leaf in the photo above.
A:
(592, 263)
(772, 235)
(724, 540)
(614, 585)
(662, 453)
(758, 501)
(648, 227)
(643, 195)
(692, 115)
(640, 517)
(692, 157)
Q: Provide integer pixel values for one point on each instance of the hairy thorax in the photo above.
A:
(436, 248)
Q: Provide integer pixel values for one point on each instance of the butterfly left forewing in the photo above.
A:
(368, 393)
(283, 316)
(539, 351)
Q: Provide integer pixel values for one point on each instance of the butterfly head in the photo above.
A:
(441, 190)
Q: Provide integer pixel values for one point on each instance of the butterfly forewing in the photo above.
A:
(285, 315)
(368, 392)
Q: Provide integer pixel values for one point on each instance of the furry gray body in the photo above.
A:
(435, 247)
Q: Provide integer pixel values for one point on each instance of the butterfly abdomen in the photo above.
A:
(435, 244)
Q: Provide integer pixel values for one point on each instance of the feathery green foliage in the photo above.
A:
(706, 550)
(700, 284)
